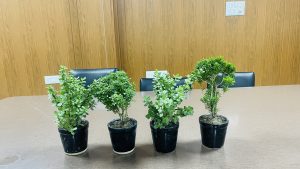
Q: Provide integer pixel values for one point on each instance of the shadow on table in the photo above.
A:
(145, 151)
(103, 156)
(235, 150)
(190, 152)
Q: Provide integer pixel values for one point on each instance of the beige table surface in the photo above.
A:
(264, 133)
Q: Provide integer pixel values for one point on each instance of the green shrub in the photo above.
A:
(72, 101)
(207, 71)
(164, 110)
(116, 92)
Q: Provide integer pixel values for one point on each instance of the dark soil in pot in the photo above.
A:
(164, 139)
(122, 138)
(213, 132)
(75, 144)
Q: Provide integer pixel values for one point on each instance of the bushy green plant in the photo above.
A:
(72, 101)
(116, 92)
(164, 110)
(207, 70)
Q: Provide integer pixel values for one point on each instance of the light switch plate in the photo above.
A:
(235, 8)
(51, 79)
(150, 74)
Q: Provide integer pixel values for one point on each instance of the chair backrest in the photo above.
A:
(92, 74)
(181, 82)
(146, 84)
(242, 79)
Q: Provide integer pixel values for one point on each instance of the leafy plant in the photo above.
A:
(116, 92)
(207, 70)
(72, 100)
(164, 110)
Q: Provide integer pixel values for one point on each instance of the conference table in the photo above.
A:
(263, 132)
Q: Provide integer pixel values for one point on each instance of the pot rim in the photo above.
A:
(120, 129)
(79, 127)
(174, 126)
(214, 125)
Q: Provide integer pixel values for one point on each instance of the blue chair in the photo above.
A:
(146, 84)
(92, 74)
(242, 79)
(181, 81)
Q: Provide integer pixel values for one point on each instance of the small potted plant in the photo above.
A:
(213, 126)
(116, 92)
(164, 112)
(72, 102)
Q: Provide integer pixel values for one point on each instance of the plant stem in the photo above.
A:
(123, 116)
(213, 94)
(215, 105)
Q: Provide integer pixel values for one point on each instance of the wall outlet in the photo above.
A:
(51, 79)
(235, 8)
(150, 74)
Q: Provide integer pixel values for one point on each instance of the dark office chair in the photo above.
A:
(146, 84)
(242, 79)
(92, 74)
(181, 81)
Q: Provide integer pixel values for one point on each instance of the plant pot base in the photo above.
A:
(76, 154)
(213, 136)
(164, 152)
(124, 153)
(210, 147)
(78, 142)
(164, 139)
(123, 139)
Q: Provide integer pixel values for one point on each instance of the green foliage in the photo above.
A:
(116, 92)
(72, 101)
(164, 110)
(207, 71)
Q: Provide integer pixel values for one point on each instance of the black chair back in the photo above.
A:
(146, 84)
(181, 81)
(92, 74)
(242, 79)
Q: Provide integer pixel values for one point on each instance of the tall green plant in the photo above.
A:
(168, 96)
(207, 70)
(116, 92)
(72, 100)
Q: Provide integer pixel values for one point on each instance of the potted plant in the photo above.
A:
(72, 101)
(164, 112)
(213, 126)
(116, 92)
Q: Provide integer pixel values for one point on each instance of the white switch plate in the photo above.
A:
(51, 79)
(235, 8)
(150, 74)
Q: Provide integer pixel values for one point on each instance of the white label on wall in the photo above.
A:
(150, 74)
(51, 79)
(235, 8)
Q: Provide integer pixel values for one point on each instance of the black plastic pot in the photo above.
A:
(213, 136)
(75, 144)
(164, 139)
(123, 139)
